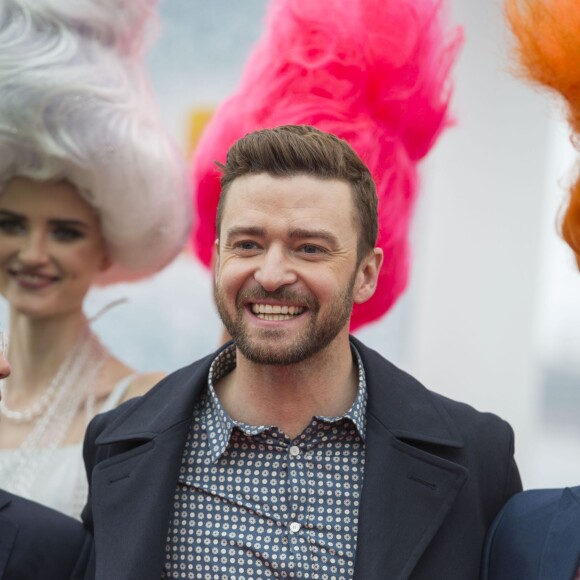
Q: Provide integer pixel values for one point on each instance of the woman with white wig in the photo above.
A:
(91, 192)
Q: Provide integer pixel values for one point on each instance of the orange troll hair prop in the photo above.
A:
(547, 34)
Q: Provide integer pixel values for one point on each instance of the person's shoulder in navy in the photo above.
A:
(36, 542)
(536, 535)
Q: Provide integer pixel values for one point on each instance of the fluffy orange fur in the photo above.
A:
(547, 34)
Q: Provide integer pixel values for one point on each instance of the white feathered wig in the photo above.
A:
(75, 104)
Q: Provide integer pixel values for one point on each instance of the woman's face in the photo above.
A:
(51, 247)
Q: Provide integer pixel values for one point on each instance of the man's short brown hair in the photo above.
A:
(303, 150)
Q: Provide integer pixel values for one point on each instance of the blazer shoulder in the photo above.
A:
(39, 519)
(480, 441)
(384, 375)
(533, 505)
(520, 534)
(48, 543)
(471, 420)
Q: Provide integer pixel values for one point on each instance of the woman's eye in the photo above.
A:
(12, 227)
(66, 234)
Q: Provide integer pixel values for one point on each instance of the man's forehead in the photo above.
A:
(302, 201)
(289, 191)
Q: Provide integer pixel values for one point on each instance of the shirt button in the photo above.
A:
(294, 450)
(295, 527)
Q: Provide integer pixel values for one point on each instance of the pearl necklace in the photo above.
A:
(41, 405)
(75, 387)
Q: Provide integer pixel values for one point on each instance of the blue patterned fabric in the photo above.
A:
(252, 504)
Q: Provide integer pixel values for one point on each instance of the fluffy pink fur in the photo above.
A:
(375, 73)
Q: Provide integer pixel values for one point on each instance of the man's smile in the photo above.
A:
(276, 311)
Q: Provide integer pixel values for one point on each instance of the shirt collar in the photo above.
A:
(357, 411)
(220, 424)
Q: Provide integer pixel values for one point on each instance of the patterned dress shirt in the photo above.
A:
(252, 504)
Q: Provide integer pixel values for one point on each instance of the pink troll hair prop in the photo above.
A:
(373, 72)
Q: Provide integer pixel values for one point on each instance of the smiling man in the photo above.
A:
(294, 451)
(286, 278)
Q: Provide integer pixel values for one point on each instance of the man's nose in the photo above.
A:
(275, 270)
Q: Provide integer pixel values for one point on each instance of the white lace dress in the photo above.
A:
(59, 481)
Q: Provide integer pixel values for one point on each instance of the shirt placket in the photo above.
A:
(297, 475)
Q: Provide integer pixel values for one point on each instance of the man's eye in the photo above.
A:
(311, 249)
(12, 227)
(66, 234)
(246, 245)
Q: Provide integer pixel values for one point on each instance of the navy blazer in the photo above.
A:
(436, 474)
(535, 537)
(37, 543)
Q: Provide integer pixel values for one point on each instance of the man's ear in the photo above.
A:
(367, 276)
(215, 258)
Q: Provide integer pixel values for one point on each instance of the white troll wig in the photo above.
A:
(75, 104)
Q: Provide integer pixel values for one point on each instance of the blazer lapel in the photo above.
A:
(407, 492)
(8, 531)
(132, 492)
(561, 555)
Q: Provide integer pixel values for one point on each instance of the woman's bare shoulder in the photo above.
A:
(142, 383)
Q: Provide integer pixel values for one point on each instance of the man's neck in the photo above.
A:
(289, 396)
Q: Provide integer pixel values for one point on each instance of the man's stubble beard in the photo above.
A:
(316, 337)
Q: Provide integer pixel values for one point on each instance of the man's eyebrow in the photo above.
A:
(302, 233)
(296, 233)
(244, 231)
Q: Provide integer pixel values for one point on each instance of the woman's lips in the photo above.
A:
(33, 280)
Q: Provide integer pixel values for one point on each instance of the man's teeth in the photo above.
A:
(276, 312)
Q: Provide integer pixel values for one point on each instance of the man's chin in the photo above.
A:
(271, 351)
